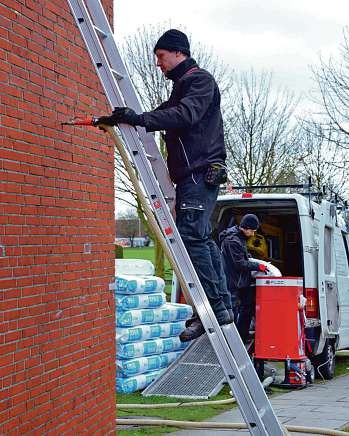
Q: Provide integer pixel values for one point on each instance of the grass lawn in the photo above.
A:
(148, 253)
(194, 413)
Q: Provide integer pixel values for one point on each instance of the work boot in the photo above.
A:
(192, 332)
(196, 329)
(190, 321)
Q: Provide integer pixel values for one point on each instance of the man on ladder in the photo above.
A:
(196, 162)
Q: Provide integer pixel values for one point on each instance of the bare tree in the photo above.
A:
(153, 88)
(262, 136)
(324, 161)
(332, 77)
(129, 225)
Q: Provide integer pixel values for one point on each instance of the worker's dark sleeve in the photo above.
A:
(190, 109)
(160, 107)
(237, 254)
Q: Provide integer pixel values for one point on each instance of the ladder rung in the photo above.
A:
(117, 75)
(100, 31)
(151, 158)
(243, 367)
(262, 412)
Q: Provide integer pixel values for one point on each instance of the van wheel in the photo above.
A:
(325, 363)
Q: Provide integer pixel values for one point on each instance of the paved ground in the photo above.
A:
(319, 405)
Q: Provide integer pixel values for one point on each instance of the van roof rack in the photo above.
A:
(334, 197)
(253, 187)
(307, 186)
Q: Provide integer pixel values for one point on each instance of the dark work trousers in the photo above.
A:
(195, 201)
(246, 310)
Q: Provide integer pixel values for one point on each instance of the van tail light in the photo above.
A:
(246, 195)
(312, 305)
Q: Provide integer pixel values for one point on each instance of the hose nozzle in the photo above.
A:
(81, 122)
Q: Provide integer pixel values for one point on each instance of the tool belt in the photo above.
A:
(216, 174)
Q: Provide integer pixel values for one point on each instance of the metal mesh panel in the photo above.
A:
(196, 374)
(201, 351)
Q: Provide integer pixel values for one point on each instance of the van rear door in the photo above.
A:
(327, 281)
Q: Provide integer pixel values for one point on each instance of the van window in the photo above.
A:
(345, 240)
(328, 250)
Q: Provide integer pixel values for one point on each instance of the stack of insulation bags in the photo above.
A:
(147, 328)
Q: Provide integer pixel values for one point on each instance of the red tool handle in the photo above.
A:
(81, 122)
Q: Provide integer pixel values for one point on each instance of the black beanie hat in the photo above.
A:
(174, 40)
(249, 221)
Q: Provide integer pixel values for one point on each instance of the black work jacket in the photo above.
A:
(192, 120)
(237, 265)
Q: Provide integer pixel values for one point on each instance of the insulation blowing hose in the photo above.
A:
(171, 405)
(207, 425)
(224, 426)
(147, 210)
(266, 382)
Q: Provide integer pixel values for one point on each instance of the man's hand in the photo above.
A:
(123, 115)
(263, 268)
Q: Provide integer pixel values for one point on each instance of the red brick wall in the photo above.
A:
(57, 350)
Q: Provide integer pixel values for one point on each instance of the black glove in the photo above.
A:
(123, 115)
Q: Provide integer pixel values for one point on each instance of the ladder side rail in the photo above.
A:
(111, 85)
(235, 342)
(249, 374)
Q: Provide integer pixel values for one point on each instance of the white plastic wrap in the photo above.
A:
(140, 365)
(272, 270)
(150, 347)
(137, 382)
(133, 284)
(149, 331)
(167, 313)
(140, 301)
(135, 267)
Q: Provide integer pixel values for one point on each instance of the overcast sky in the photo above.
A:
(282, 36)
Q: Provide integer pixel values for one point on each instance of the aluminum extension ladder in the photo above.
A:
(143, 150)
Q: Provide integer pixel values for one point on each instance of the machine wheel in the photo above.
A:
(259, 367)
(325, 363)
(310, 375)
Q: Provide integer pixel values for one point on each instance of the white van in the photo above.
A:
(303, 239)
